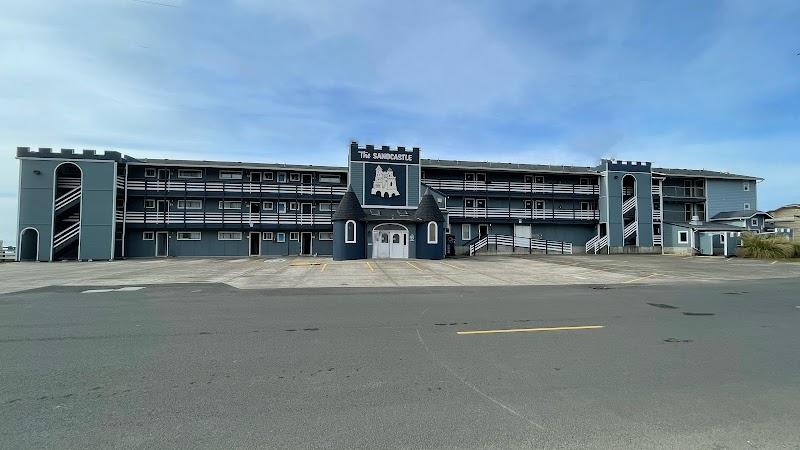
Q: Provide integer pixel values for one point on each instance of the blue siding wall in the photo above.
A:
(729, 195)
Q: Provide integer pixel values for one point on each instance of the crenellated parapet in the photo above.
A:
(71, 154)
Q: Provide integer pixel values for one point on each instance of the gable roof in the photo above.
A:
(702, 173)
(741, 214)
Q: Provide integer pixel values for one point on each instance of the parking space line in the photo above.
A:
(528, 330)
(324, 266)
(642, 278)
(450, 265)
(370, 267)
(413, 265)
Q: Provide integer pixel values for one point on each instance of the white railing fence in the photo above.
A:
(241, 188)
(7, 253)
(199, 218)
(511, 186)
(515, 242)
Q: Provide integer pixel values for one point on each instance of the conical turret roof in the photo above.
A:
(428, 209)
(349, 208)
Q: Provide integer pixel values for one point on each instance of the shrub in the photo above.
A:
(796, 246)
(768, 247)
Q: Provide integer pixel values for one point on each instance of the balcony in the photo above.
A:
(231, 187)
(202, 218)
(510, 186)
(506, 213)
(683, 192)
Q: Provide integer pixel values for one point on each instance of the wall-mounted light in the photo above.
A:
(37, 172)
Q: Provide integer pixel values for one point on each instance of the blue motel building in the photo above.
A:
(384, 203)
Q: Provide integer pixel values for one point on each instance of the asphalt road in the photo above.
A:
(209, 366)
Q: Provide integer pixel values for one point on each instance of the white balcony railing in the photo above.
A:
(241, 188)
(657, 239)
(655, 189)
(658, 215)
(200, 218)
(510, 186)
(522, 213)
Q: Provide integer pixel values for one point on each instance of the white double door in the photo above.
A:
(390, 244)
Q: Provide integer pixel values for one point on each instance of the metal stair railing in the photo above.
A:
(628, 205)
(66, 234)
(68, 198)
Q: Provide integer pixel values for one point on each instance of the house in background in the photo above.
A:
(753, 221)
(786, 217)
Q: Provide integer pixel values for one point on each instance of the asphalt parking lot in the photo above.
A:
(295, 272)
(684, 365)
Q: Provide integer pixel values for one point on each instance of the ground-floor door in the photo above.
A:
(483, 230)
(306, 246)
(522, 231)
(390, 243)
(162, 244)
(255, 243)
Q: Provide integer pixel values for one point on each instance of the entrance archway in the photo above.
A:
(29, 245)
(390, 240)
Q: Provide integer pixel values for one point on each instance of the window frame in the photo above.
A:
(588, 206)
(685, 238)
(539, 202)
(223, 202)
(754, 222)
(280, 237)
(329, 178)
(294, 206)
(294, 235)
(268, 176)
(183, 201)
(319, 236)
(294, 177)
(182, 173)
(268, 205)
(468, 227)
(151, 233)
(220, 233)
(230, 172)
(468, 175)
(347, 238)
(282, 208)
(282, 177)
(260, 177)
(151, 171)
(267, 236)
(191, 233)
(435, 239)
(467, 201)
(746, 186)
(746, 206)
(538, 179)
(147, 202)
(479, 175)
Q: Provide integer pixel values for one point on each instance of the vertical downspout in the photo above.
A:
(125, 210)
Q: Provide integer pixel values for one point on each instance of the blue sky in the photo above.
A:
(681, 83)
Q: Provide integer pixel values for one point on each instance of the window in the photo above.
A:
(433, 233)
(683, 237)
(746, 186)
(294, 236)
(754, 222)
(230, 175)
(687, 210)
(148, 236)
(281, 207)
(747, 206)
(469, 177)
(280, 237)
(267, 236)
(190, 173)
(229, 236)
(328, 178)
(189, 235)
(269, 176)
(466, 231)
(350, 232)
(281, 177)
(327, 207)
(538, 179)
(149, 203)
(585, 182)
(230, 205)
(469, 202)
(326, 235)
(480, 203)
(190, 204)
(150, 172)
(294, 177)
(292, 206)
(527, 179)
(480, 177)
(538, 204)
(255, 177)
(268, 206)
(307, 178)
(528, 204)
(585, 206)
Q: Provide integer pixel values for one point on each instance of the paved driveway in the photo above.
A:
(293, 272)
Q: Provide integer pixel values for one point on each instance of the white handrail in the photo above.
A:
(66, 234)
(628, 205)
(529, 244)
(511, 186)
(68, 197)
(630, 229)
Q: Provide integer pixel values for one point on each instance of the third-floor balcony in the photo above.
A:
(511, 186)
(683, 191)
(524, 213)
(231, 187)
